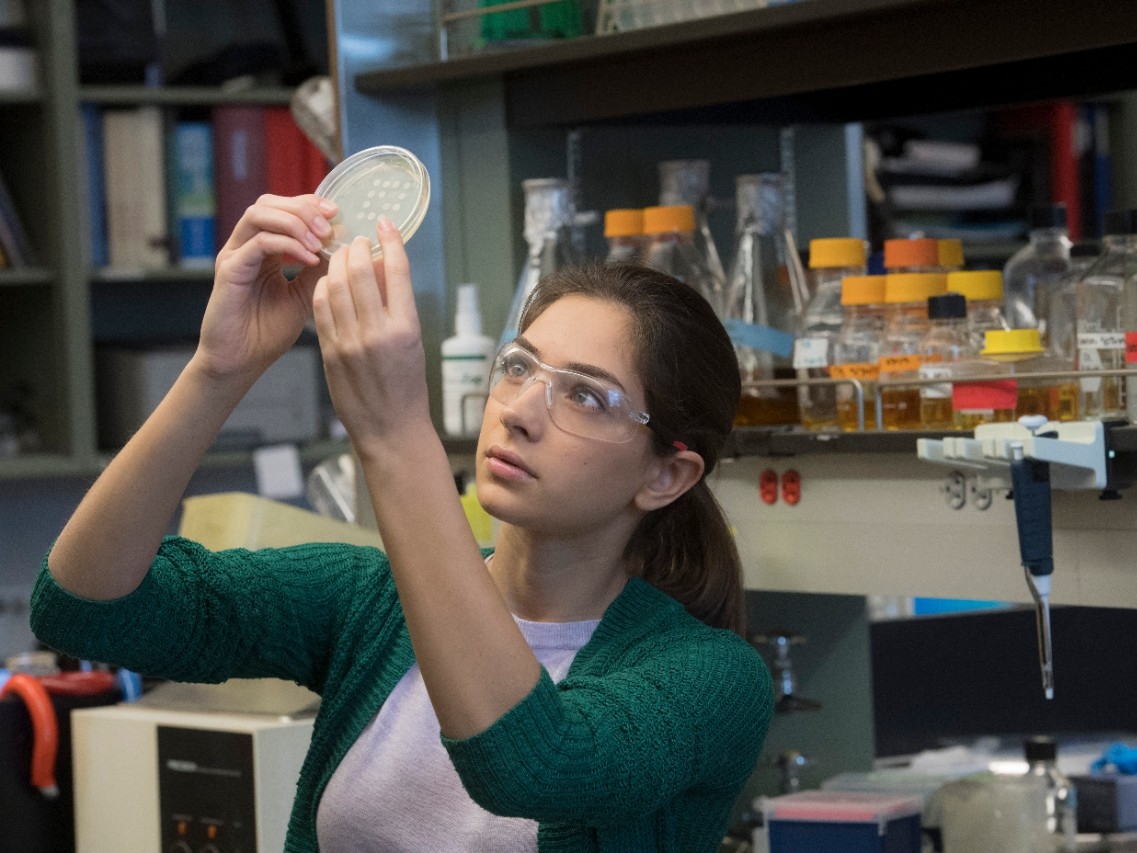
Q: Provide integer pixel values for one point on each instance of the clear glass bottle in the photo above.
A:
(1041, 755)
(905, 323)
(671, 247)
(912, 255)
(762, 312)
(1100, 325)
(856, 352)
(549, 214)
(688, 182)
(1124, 267)
(830, 260)
(624, 231)
(1031, 275)
(1025, 385)
(1062, 337)
(983, 290)
(947, 341)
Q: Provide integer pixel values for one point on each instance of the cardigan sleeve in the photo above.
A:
(600, 749)
(207, 616)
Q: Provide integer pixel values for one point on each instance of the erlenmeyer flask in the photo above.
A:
(688, 182)
(549, 213)
(761, 311)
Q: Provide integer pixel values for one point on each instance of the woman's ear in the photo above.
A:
(673, 476)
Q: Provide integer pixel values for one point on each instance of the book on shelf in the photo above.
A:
(295, 165)
(135, 172)
(240, 169)
(14, 243)
(92, 164)
(193, 200)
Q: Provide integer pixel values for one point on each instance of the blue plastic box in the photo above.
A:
(843, 822)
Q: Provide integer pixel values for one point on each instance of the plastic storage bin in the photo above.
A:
(843, 822)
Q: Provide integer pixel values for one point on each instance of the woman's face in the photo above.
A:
(534, 474)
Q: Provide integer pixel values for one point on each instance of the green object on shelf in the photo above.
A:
(555, 19)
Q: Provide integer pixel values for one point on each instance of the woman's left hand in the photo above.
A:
(371, 343)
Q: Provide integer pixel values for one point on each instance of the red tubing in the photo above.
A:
(45, 729)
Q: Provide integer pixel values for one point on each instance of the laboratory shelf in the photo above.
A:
(182, 96)
(831, 60)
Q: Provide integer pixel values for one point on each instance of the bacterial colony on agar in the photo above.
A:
(382, 181)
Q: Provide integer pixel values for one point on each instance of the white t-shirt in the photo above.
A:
(397, 792)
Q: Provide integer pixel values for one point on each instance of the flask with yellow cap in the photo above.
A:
(906, 321)
(624, 231)
(1012, 377)
(856, 352)
(830, 260)
(983, 290)
(670, 232)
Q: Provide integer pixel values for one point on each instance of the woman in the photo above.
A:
(552, 695)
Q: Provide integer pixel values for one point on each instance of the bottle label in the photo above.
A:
(939, 391)
(759, 337)
(984, 396)
(464, 380)
(899, 363)
(867, 372)
(1089, 359)
(1101, 340)
(811, 352)
(1130, 347)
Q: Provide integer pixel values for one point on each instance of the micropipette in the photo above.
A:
(1030, 486)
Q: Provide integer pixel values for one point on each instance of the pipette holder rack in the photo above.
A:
(1078, 453)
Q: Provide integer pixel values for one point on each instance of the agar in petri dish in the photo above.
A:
(382, 181)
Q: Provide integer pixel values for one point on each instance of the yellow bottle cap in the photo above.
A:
(912, 252)
(862, 290)
(913, 286)
(950, 252)
(836, 252)
(669, 217)
(623, 222)
(976, 285)
(1012, 342)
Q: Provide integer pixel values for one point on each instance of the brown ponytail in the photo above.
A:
(690, 374)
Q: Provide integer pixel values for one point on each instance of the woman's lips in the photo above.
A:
(508, 466)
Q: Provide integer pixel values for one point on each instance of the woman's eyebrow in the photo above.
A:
(577, 366)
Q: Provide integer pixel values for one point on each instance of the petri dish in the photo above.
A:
(382, 181)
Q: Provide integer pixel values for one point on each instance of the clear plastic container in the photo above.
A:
(624, 231)
(906, 321)
(688, 182)
(947, 341)
(983, 290)
(549, 216)
(1101, 324)
(762, 315)
(1030, 277)
(1015, 355)
(382, 181)
(856, 352)
(830, 261)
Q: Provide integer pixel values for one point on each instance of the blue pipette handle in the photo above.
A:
(1030, 484)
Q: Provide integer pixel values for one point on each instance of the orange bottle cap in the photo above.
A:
(976, 285)
(669, 217)
(623, 222)
(913, 286)
(913, 252)
(836, 252)
(862, 290)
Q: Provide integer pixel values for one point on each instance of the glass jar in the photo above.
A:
(856, 352)
(906, 321)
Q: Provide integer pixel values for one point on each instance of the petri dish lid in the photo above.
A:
(382, 181)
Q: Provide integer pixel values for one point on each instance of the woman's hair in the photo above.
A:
(689, 371)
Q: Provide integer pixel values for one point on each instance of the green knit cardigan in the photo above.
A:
(645, 745)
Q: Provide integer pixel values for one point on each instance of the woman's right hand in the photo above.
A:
(255, 313)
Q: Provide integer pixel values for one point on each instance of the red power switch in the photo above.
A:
(768, 486)
(791, 487)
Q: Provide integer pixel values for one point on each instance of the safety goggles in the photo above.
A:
(579, 404)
